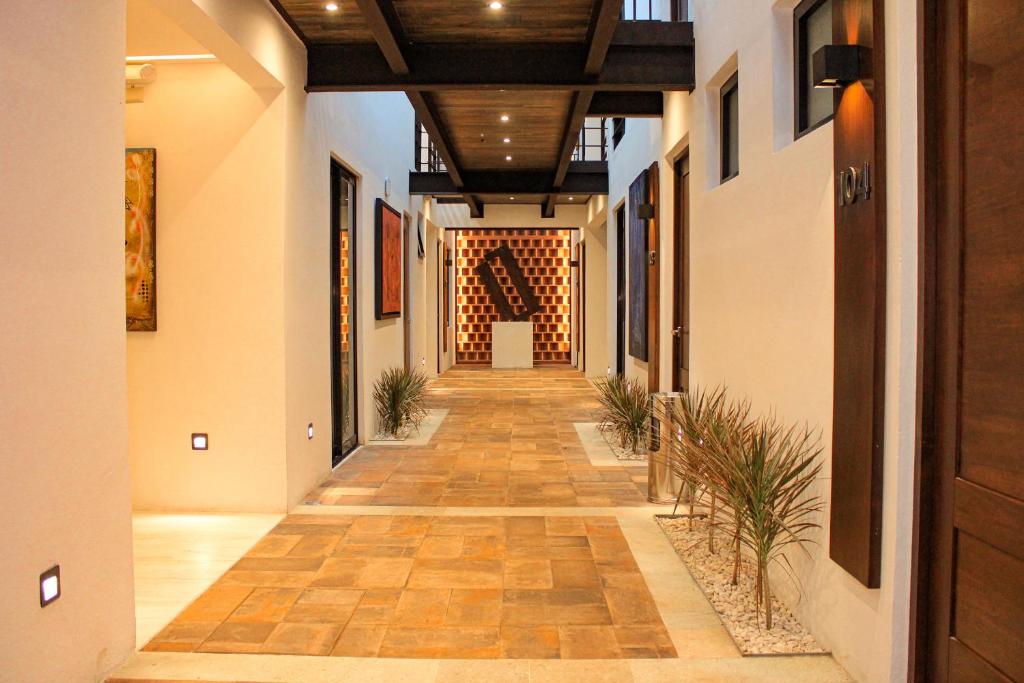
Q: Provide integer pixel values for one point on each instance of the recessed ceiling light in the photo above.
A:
(496, 5)
(331, 7)
(508, 158)
(504, 118)
(507, 140)
(571, 198)
(512, 199)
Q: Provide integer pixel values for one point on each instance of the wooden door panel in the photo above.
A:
(966, 666)
(990, 516)
(989, 611)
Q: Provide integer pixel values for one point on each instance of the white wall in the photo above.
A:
(243, 349)
(64, 484)
(761, 284)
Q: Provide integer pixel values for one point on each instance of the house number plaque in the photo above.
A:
(854, 184)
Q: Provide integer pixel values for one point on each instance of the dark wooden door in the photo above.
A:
(620, 290)
(653, 282)
(972, 460)
(681, 275)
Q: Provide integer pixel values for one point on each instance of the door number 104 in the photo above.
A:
(854, 184)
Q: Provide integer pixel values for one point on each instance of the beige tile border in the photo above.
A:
(429, 426)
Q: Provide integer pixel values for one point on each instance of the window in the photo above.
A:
(812, 29)
(731, 128)
(618, 131)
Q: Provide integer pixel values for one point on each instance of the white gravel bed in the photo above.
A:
(735, 604)
(620, 452)
(402, 435)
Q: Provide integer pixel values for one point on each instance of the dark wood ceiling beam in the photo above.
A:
(600, 34)
(583, 178)
(346, 68)
(387, 30)
(423, 104)
(627, 105)
(603, 22)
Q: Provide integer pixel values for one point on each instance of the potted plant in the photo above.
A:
(626, 411)
(398, 396)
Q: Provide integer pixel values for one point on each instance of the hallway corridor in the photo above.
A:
(498, 541)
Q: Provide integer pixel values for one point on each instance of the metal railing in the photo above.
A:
(655, 10)
(428, 160)
(593, 141)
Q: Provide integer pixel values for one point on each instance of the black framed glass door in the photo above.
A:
(344, 385)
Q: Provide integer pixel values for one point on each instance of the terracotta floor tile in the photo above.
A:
(359, 641)
(315, 546)
(376, 608)
(301, 639)
(182, 636)
(631, 607)
(440, 548)
(447, 643)
(274, 546)
(641, 642)
(588, 642)
(461, 574)
(338, 572)
(384, 573)
(238, 637)
(530, 642)
(575, 574)
(527, 574)
(474, 607)
(324, 606)
(268, 605)
(216, 604)
(421, 608)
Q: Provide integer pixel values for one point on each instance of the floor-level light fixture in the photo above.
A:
(200, 442)
(309, 431)
(49, 585)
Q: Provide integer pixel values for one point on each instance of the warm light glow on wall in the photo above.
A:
(171, 58)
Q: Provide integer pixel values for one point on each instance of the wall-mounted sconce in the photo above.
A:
(200, 442)
(136, 78)
(49, 586)
(645, 211)
(837, 66)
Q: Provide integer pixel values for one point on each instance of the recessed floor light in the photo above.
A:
(504, 118)
(331, 7)
(496, 5)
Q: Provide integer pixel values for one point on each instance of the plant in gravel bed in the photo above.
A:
(768, 469)
(399, 396)
(626, 410)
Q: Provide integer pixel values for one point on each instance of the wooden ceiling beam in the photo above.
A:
(588, 177)
(470, 66)
(387, 30)
(627, 105)
(426, 110)
(603, 22)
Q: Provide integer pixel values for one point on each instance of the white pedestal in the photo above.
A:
(512, 345)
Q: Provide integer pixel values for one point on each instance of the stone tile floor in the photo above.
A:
(469, 587)
(497, 552)
(509, 440)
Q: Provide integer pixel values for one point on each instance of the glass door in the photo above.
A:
(343, 313)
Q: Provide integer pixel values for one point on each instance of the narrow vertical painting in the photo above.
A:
(637, 243)
(140, 239)
(389, 261)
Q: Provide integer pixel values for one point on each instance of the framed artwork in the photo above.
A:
(421, 252)
(388, 248)
(637, 256)
(140, 239)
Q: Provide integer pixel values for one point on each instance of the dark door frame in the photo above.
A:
(620, 286)
(680, 269)
(338, 171)
(407, 290)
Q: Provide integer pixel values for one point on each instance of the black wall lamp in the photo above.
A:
(837, 66)
(645, 211)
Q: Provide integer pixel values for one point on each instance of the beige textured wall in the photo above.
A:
(216, 362)
(64, 484)
(244, 351)
(762, 286)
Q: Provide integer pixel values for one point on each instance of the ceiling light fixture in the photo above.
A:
(571, 199)
(504, 118)
(511, 199)
(496, 5)
(508, 158)
(331, 7)
(507, 140)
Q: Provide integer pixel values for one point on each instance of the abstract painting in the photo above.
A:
(140, 239)
(637, 270)
(388, 246)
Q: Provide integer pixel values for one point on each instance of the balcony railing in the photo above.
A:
(427, 158)
(593, 141)
(655, 10)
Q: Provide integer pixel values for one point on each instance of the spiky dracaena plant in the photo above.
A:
(770, 469)
(398, 396)
(626, 410)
